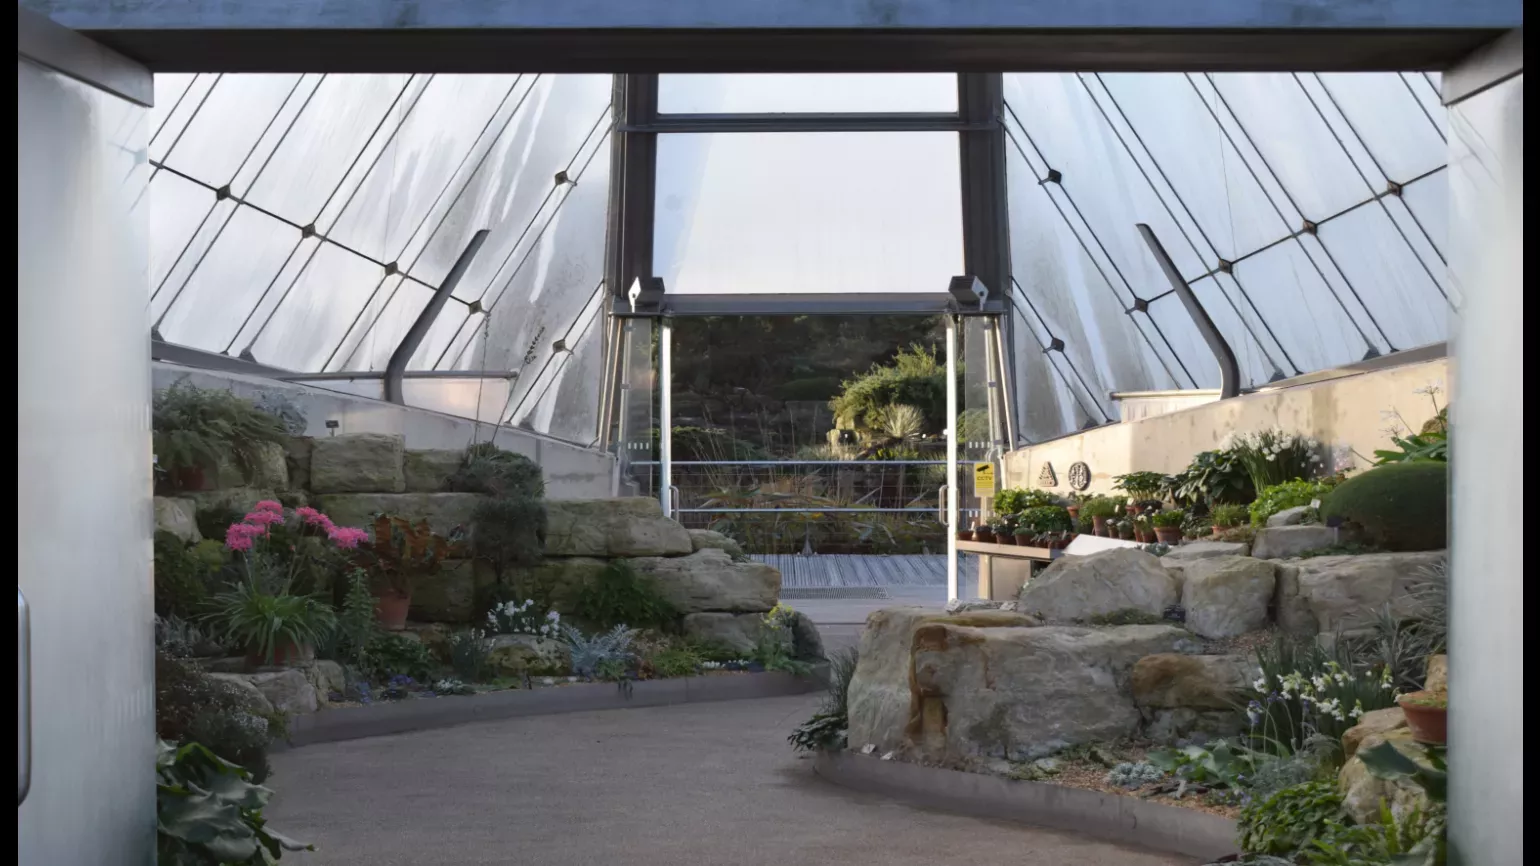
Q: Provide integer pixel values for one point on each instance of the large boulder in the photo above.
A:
(1191, 697)
(1291, 516)
(1362, 791)
(269, 467)
(445, 512)
(709, 580)
(428, 471)
(451, 593)
(704, 538)
(806, 642)
(1019, 694)
(1185, 554)
(242, 499)
(358, 463)
(1081, 588)
(1225, 596)
(326, 677)
(1372, 723)
(1326, 594)
(177, 516)
(297, 450)
(1282, 542)
(622, 527)
(879, 696)
(739, 632)
(288, 690)
(515, 655)
(555, 579)
(241, 682)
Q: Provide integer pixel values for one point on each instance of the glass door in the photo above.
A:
(979, 434)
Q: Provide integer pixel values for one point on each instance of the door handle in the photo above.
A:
(941, 504)
(673, 502)
(23, 698)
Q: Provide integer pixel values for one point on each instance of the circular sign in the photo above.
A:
(1079, 476)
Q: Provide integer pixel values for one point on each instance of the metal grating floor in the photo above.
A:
(810, 593)
(842, 570)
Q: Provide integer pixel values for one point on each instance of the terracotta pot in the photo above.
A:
(982, 535)
(1074, 511)
(964, 535)
(1022, 540)
(284, 654)
(390, 609)
(1005, 539)
(1168, 534)
(1100, 523)
(188, 479)
(1428, 724)
(1217, 530)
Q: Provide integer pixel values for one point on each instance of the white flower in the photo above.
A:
(1260, 685)
(1358, 709)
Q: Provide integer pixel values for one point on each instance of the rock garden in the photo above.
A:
(1285, 670)
(295, 575)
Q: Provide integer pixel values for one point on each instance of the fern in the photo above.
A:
(592, 654)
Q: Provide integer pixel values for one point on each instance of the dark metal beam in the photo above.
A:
(986, 227)
(395, 368)
(171, 353)
(853, 304)
(786, 35)
(1229, 369)
(808, 122)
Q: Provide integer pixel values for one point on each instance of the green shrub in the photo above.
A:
(1226, 516)
(1046, 518)
(190, 706)
(265, 623)
(1141, 485)
(195, 429)
(1289, 820)
(1289, 494)
(1402, 506)
(489, 469)
(208, 811)
(1213, 478)
(1168, 519)
(184, 574)
(915, 378)
(675, 662)
(1100, 506)
(620, 595)
(1014, 500)
(391, 655)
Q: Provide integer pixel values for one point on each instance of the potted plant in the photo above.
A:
(984, 532)
(1140, 487)
(1143, 532)
(1101, 510)
(398, 555)
(1168, 525)
(1126, 529)
(195, 430)
(1022, 536)
(1229, 516)
(965, 535)
(1426, 715)
(1072, 505)
(275, 628)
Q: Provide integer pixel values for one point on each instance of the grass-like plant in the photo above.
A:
(265, 622)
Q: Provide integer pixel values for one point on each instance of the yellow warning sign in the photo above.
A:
(983, 479)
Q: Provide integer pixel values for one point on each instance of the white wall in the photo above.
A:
(571, 472)
(1351, 414)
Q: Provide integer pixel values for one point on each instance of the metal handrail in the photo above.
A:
(871, 463)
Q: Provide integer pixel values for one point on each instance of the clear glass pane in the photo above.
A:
(341, 116)
(1045, 407)
(177, 98)
(785, 213)
(413, 173)
(1299, 307)
(565, 403)
(638, 384)
(478, 399)
(445, 328)
(180, 208)
(560, 126)
(806, 92)
(1388, 277)
(391, 312)
(320, 307)
(1176, 326)
(1176, 125)
(1293, 141)
(1387, 116)
(228, 124)
(1428, 202)
(230, 280)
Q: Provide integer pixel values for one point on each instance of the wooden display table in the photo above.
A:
(1004, 568)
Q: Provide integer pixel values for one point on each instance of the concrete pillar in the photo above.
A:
(1485, 96)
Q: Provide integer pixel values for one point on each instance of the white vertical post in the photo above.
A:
(666, 415)
(952, 516)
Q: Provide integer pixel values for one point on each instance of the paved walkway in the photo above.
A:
(706, 784)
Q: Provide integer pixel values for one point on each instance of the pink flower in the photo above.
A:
(269, 505)
(310, 516)
(241, 536)
(347, 536)
(237, 542)
(264, 518)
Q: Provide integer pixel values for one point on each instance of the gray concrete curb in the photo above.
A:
(1115, 818)
(352, 723)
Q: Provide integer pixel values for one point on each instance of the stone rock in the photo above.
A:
(1185, 554)
(242, 499)
(1374, 722)
(288, 690)
(326, 677)
(451, 594)
(1024, 693)
(1282, 542)
(428, 471)
(1174, 680)
(433, 635)
(1077, 588)
(704, 538)
(622, 527)
(959, 606)
(242, 683)
(556, 578)
(1362, 791)
(806, 642)
(269, 467)
(297, 451)
(445, 512)
(879, 692)
(1325, 594)
(1225, 596)
(1184, 726)
(358, 463)
(515, 655)
(709, 580)
(1291, 516)
(1437, 679)
(738, 632)
(177, 516)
